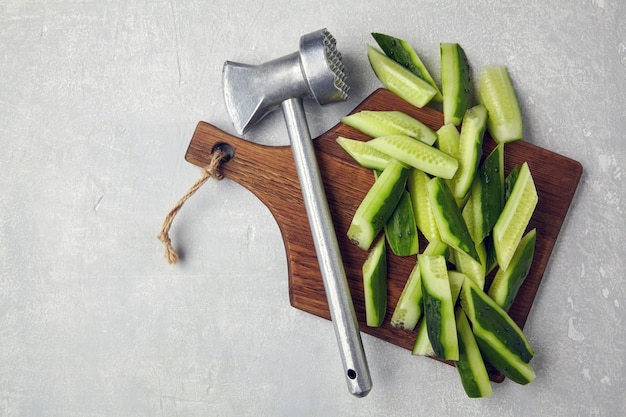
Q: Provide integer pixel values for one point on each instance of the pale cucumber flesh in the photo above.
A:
(515, 216)
(408, 310)
(426, 223)
(496, 93)
(417, 155)
(376, 123)
(363, 154)
(400, 80)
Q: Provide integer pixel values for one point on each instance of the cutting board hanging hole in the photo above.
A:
(221, 153)
(226, 150)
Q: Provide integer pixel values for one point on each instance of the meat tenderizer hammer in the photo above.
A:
(251, 92)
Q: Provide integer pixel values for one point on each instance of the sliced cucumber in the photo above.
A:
(375, 284)
(363, 154)
(455, 82)
(493, 324)
(515, 217)
(450, 223)
(509, 182)
(496, 93)
(456, 280)
(448, 140)
(408, 309)
(470, 366)
(509, 364)
(438, 306)
(400, 80)
(378, 205)
(491, 261)
(376, 123)
(416, 154)
(487, 195)
(476, 271)
(401, 51)
(401, 230)
(506, 284)
(416, 183)
(436, 247)
(470, 149)
(422, 345)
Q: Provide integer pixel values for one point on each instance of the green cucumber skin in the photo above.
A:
(488, 317)
(470, 149)
(510, 365)
(499, 328)
(452, 227)
(509, 182)
(432, 311)
(506, 284)
(492, 188)
(401, 230)
(400, 80)
(455, 82)
(491, 261)
(400, 51)
(378, 205)
(422, 344)
(487, 194)
(470, 366)
(438, 307)
(375, 284)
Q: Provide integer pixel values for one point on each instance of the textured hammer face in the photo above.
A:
(323, 67)
(315, 71)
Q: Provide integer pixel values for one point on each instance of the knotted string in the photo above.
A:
(212, 170)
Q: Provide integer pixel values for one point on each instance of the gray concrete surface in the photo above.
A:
(98, 101)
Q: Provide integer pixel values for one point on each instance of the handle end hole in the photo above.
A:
(351, 374)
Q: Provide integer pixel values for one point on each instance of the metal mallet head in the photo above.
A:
(253, 91)
(316, 71)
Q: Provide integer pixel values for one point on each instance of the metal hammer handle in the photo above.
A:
(342, 312)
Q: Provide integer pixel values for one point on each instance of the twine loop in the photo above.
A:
(212, 170)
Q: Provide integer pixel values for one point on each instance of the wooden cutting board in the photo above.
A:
(269, 172)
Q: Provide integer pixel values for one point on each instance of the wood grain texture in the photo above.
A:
(269, 173)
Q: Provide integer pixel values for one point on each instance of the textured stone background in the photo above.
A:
(98, 101)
